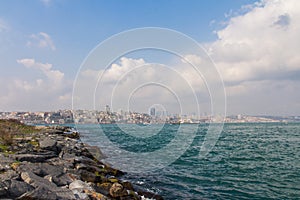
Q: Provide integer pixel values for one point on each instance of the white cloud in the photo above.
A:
(46, 90)
(257, 55)
(41, 40)
(116, 71)
(266, 97)
(260, 44)
(144, 83)
(54, 75)
(139, 70)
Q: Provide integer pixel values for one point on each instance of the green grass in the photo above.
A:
(11, 128)
(3, 147)
(16, 126)
(5, 151)
(34, 143)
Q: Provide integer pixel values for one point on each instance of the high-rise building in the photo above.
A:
(152, 111)
(107, 108)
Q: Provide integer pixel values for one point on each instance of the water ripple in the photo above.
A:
(250, 161)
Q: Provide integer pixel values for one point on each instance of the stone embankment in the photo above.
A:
(51, 164)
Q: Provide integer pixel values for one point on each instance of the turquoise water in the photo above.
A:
(249, 161)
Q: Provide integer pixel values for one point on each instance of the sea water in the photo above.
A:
(249, 160)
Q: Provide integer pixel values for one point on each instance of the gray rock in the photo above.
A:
(66, 163)
(62, 180)
(25, 148)
(89, 176)
(40, 157)
(36, 181)
(43, 184)
(85, 160)
(17, 188)
(80, 195)
(117, 190)
(56, 174)
(8, 175)
(78, 187)
(48, 177)
(39, 193)
(78, 184)
(95, 152)
(52, 170)
(48, 144)
(66, 155)
(73, 135)
(103, 188)
(89, 168)
(27, 166)
(3, 190)
(4, 167)
(5, 162)
(69, 147)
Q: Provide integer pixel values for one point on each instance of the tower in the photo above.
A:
(152, 111)
(107, 109)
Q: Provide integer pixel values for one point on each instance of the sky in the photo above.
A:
(253, 45)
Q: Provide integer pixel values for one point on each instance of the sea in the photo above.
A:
(248, 160)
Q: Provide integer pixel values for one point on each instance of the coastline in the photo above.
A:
(48, 163)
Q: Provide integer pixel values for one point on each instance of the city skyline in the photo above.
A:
(252, 43)
(65, 117)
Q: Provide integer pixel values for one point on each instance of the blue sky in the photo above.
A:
(62, 33)
(78, 26)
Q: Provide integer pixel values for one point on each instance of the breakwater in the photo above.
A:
(52, 163)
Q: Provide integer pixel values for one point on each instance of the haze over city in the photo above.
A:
(254, 45)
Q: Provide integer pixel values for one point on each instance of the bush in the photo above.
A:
(12, 128)
(6, 136)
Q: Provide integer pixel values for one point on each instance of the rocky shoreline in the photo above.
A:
(51, 164)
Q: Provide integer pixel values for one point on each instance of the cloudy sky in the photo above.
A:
(253, 44)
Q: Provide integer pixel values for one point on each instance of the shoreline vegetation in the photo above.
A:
(52, 163)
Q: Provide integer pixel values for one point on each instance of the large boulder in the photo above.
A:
(3, 190)
(40, 169)
(8, 175)
(89, 176)
(39, 193)
(54, 173)
(48, 144)
(37, 157)
(73, 135)
(64, 154)
(78, 184)
(17, 188)
(79, 187)
(91, 168)
(80, 194)
(5, 163)
(117, 190)
(103, 188)
(66, 164)
(62, 180)
(93, 152)
(43, 184)
(87, 161)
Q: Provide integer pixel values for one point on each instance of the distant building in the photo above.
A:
(107, 109)
(152, 111)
